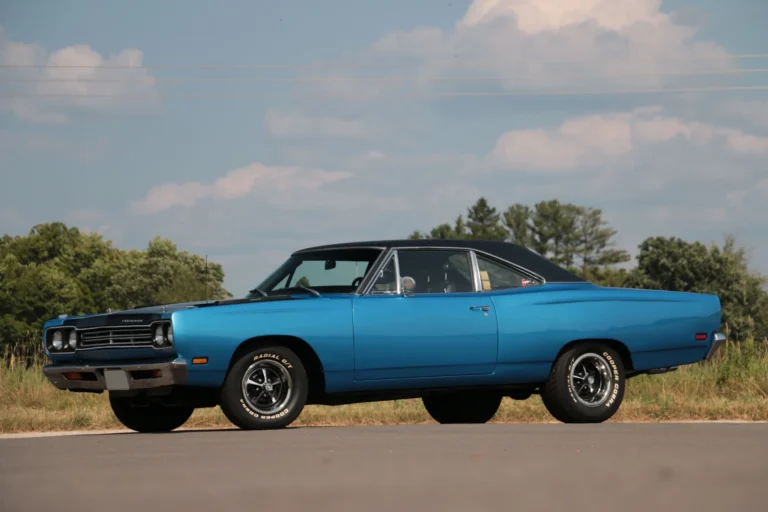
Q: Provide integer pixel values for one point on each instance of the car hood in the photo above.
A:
(152, 313)
(165, 308)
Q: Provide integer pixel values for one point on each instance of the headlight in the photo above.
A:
(72, 339)
(159, 340)
(58, 340)
(169, 335)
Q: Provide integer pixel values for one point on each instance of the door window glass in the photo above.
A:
(436, 271)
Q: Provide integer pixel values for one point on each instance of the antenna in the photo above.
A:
(206, 278)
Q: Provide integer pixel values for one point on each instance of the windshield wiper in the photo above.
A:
(310, 290)
(260, 292)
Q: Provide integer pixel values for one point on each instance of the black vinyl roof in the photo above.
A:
(513, 253)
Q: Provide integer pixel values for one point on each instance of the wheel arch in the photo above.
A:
(621, 348)
(305, 352)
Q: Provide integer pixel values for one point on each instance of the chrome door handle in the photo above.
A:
(484, 308)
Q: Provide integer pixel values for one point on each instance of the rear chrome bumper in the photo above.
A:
(128, 376)
(717, 342)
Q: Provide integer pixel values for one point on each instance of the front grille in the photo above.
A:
(116, 337)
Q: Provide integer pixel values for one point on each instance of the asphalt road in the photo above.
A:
(617, 467)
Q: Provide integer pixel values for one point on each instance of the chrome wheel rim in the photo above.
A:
(266, 386)
(590, 380)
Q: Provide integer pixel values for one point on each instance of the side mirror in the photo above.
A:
(408, 284)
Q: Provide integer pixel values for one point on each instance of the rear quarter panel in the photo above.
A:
(657, 327)
(216, 332)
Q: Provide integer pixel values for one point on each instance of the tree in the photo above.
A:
(516, 220)
(677, 265)
(595, 244)
(443, 232)
(484, 222)
(59, 270)
(573, 236)
(553, 227)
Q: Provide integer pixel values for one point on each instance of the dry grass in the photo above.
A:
(732, 387)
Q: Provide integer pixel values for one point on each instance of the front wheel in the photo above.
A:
(586, 384)
(152, 417)
(266, 388)
(466, 407)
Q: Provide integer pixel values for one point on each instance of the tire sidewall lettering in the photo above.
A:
(275, 416)
(616, 379)
(614, 368)
(285, 362)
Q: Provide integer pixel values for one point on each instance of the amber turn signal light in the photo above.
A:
(199, 360)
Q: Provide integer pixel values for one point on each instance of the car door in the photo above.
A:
(435, 326)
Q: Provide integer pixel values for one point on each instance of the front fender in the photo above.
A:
(215, 333)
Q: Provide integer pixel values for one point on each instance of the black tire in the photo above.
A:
(151, 417)
(601, 363)
(280, 364)
(465, 407)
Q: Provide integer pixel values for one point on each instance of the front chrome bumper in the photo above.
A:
(717, 342)
(118, 377)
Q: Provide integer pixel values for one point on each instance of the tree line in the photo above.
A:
(57, 270)
(580, 239)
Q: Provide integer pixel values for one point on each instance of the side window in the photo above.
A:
(497, 276)
(386, 281)
(436, 271)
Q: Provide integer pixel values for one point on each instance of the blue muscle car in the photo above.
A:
(459, 324)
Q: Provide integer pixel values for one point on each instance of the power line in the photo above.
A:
(470, 78)
(454, 63)
(554, 92)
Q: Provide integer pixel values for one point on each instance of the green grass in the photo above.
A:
(734, 386)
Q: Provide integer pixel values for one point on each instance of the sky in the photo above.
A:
(244, 130)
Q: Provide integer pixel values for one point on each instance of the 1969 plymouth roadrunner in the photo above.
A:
(458, 324)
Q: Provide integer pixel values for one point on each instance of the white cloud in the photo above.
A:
(750, 202)
(298, 125)
(272, 183)
(375, 155)
(746, 144)
(588, 141)
(754, 111)
(71, 146)
(538, 16)
(69, 86)
(561, 44)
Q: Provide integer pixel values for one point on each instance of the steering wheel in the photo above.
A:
(356, 281)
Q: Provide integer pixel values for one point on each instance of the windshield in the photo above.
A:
(328, 271)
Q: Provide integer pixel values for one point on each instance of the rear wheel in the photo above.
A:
(266, 388)
(150, 417)
(466, 407)
(586, 384)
